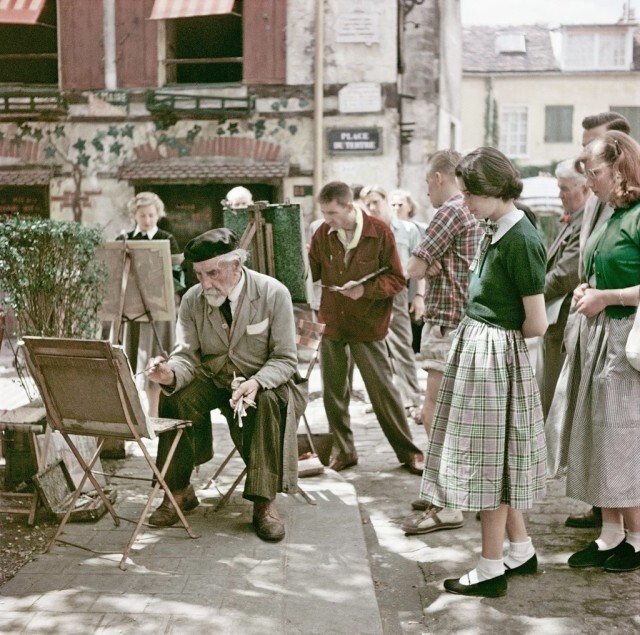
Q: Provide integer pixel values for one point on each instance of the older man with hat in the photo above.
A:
(236, 351)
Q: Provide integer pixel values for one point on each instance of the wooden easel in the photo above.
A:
(261, 233)
(129, 272)
(115, 336)
(67, 371)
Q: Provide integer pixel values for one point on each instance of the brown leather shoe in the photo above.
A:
(189, 499)
(165, 515)
(415, 464)
(266, 521)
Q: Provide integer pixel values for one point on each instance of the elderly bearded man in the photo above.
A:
(235, 323)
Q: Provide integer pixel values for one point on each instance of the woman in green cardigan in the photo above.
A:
(603, 394)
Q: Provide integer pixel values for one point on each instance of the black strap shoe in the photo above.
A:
(592, 519)
(492, 588)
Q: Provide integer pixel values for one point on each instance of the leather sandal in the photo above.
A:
(434, 519)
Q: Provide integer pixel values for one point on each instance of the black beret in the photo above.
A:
(211, 244)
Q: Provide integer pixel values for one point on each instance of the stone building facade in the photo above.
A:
(100, 99)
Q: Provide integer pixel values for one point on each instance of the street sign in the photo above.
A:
(354, 140)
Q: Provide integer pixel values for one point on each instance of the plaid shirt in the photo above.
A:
(452, 238)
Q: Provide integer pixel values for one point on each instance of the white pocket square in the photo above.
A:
(255, 329)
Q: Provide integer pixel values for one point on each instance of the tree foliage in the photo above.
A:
(51, 277)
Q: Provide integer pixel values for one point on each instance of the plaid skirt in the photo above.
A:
(603, 414)
(487, 445)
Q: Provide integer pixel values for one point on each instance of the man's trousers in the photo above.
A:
(259, 439)
(373, 363)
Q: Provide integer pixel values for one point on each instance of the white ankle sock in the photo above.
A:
(485, 570)
(611, 536)
(519, 553)
(633, 538)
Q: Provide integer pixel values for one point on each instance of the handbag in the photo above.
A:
(632, 348)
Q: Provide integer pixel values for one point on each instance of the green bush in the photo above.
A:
(50, 276)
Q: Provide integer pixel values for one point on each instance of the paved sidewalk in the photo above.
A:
(317, 580)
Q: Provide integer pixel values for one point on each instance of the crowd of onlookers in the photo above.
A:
(465, 291)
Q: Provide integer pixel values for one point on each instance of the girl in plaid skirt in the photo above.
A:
(487, 450)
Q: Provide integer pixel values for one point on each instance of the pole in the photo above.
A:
(318, 99)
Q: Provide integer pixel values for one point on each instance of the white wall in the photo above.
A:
(589, 93)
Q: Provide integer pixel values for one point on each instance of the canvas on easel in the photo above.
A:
(148, 282)
(274, 236)
(88, 389)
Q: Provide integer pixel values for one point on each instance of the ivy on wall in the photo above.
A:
(107, 147)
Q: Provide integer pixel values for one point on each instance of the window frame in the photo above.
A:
(595, 48)
(518, 149)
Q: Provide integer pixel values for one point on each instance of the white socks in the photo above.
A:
(485, 570)
(519, 553)
(611, 536)
(633, 538)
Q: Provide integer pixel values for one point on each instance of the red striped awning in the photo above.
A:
(20, 11)
(167, 9)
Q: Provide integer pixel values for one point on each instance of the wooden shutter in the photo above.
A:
(264, 41)
(136, 45)
(558, 124)
(81, 44)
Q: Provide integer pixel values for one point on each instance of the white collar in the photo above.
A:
(151, 233)
(505, 223)
(234, 294)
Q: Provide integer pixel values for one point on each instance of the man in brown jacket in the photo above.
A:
(346, 248)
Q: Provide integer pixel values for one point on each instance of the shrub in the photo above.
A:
(51, 277)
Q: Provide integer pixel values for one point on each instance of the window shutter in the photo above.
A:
(264, 41)
(136, 45)
(81, 44)
(558, 124)
(632, 113)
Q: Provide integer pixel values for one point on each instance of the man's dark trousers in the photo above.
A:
(259, 440)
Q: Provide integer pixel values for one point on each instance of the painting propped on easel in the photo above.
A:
(148, 278)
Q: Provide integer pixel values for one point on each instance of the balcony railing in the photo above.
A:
(163, 102)
(31, 102)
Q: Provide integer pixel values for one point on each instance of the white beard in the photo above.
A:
(214, 298)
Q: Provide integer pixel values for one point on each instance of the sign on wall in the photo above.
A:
(357, 27)
(360, 97)
(354, 140)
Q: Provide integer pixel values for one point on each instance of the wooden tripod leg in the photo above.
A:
(306, 496)
(227, 496)
(160, 483)
(220, 468)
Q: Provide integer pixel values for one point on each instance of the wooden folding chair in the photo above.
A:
(308, 336)
(88, 389)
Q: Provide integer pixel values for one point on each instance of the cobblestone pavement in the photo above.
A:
(408, 571)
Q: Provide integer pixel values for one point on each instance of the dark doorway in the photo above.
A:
(26, 200)
(193, 209)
